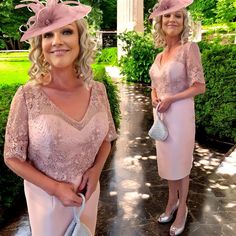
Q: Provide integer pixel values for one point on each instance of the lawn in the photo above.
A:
(14, 68)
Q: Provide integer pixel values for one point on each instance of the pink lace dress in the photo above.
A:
(175, 155)
(59, 146)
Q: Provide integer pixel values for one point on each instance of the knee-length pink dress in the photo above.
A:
(175, 154)
(60, 147)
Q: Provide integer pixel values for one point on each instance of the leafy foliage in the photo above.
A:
(109, 9)
(225, 11)
(215, 111)
(107, 56)
(210, 12)
(140, 54)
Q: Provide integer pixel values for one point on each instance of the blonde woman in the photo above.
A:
(177, 77)
(60, 126)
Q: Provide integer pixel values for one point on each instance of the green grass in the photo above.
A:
(14, 68)
(14, 56)
(14, 72)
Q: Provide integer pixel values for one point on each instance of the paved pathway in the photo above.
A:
(132, 194)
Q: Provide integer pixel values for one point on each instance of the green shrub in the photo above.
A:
(107, 56)
(140, 54)
(112, 91)
(11, 184)
(215, 110)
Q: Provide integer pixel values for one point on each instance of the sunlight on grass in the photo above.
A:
(14, 68)
(14, 72)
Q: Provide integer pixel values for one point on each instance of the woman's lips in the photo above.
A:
(59, 52)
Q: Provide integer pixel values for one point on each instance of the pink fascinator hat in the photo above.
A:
(51, 15)
(168, 6)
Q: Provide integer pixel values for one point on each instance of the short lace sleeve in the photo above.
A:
(16, 137)
(111, 135)
(194, 65)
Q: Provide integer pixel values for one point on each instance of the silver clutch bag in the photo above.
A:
(77, 228)
(158, 130)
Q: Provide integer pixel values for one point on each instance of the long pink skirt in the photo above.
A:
(49, 217)
(175, 154)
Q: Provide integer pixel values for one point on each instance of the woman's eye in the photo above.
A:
(48, 35)
(167, 15)
(67, 32)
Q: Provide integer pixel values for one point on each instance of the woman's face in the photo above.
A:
(173, 23)
(61, 46)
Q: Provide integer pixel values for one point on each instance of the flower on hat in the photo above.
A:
(51, 15)
(165, 5)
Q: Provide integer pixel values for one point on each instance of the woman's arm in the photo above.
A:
(195, 89)
(65, 192)
(92, 175)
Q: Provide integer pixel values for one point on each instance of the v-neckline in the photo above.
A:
(63, 113)
(161, 64)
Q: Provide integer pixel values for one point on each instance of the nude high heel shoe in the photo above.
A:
(163, 218)
(177, 231)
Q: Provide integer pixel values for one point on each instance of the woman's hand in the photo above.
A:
(164, 104)
(155, 102)
(66, 193)
(89, 182)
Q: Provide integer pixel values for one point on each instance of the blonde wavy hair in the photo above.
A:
(159, 35)
(40, 68)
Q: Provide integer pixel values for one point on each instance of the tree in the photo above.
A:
(203, 10)
(109, 9)
(11, 20)
(148, 6)
(213, 11)
(225, 11)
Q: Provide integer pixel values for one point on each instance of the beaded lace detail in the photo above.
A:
(179, 73)
(61, 147)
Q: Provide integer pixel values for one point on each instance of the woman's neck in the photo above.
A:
(172, 43)
(65, 79)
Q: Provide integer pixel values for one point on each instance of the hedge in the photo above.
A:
(215, 110)
(10, 184)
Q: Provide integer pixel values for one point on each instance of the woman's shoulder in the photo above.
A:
(30, 90)
(190, 46)
(30, 86)
(98, 86)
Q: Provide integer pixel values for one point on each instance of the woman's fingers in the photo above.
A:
(83, 183)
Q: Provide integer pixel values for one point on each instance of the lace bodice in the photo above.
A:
(59, 146)
(179, 73)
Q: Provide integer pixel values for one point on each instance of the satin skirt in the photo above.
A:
(175, 154)
(49, 217)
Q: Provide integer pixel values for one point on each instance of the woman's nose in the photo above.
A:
(57, 39)
(172, 18)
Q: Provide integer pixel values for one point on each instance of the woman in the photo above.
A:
(177, 77)
(60, 126)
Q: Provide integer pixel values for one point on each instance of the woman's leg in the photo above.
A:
(183, 188)
(173, 196)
